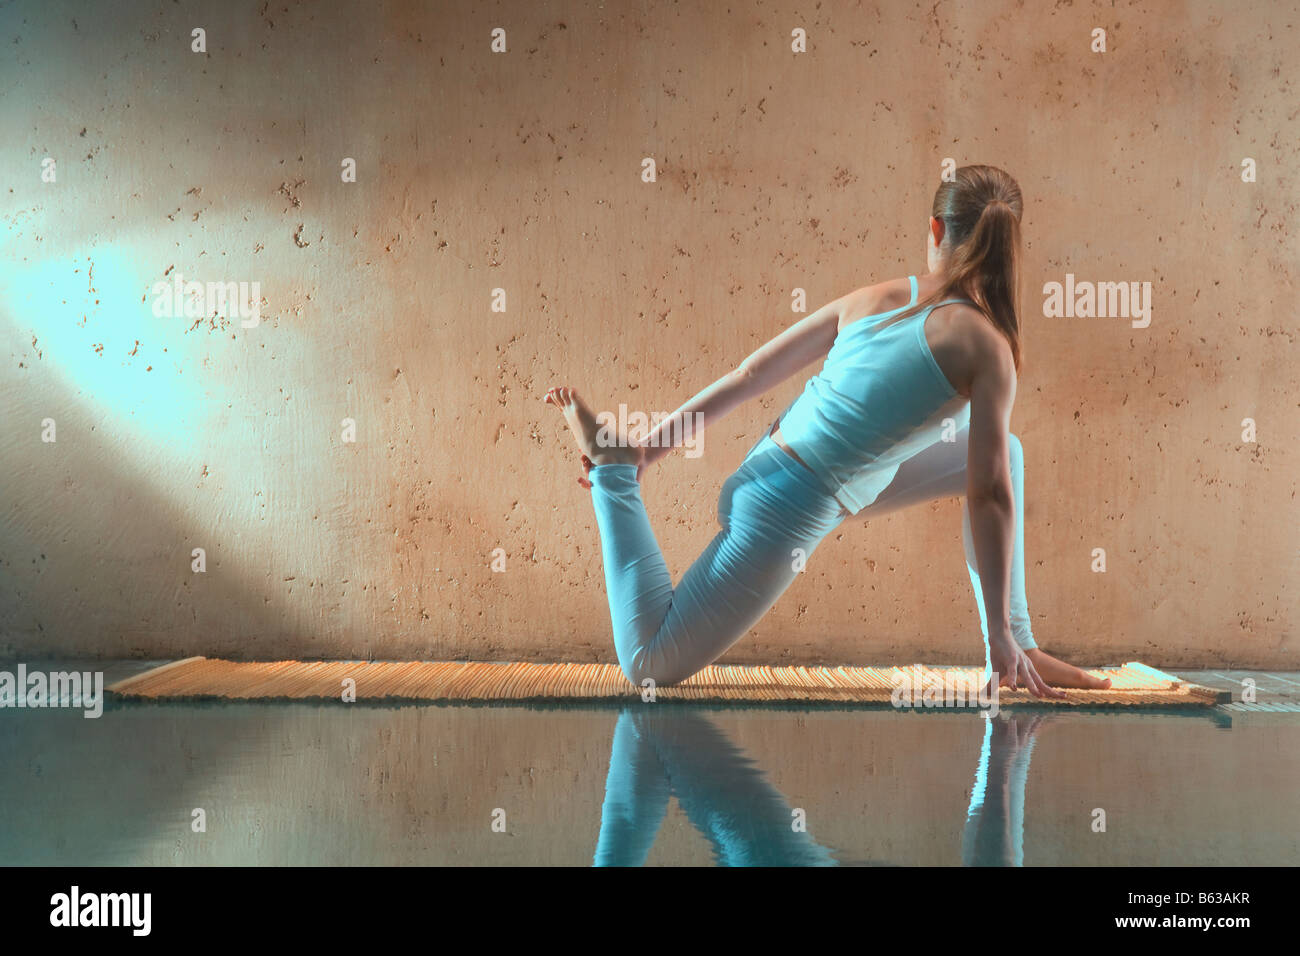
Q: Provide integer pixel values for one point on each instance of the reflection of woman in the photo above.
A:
(995, 822)
(905, 362)
(667, 750)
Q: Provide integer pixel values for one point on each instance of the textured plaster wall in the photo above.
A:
(521, 171)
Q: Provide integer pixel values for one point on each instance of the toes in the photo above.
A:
(558, 396)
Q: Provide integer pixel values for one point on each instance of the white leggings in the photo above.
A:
(774, 513)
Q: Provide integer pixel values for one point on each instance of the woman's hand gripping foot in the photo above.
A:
(597, 445)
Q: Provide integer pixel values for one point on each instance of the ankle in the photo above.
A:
(616, 455)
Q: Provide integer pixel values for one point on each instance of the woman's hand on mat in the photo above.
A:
(1013, 669)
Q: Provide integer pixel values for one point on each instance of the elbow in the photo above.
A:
(743, 379)
(742, 374)
(995, 493)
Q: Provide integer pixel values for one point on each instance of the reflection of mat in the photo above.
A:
(1133, 685)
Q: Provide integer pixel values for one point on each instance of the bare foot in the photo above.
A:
(1060, 674)
(597, 448)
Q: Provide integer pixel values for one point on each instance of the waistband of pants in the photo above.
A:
(767, 446)
(766, 449)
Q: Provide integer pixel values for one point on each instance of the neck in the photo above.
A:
(935, 278)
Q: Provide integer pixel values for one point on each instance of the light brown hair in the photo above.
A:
(981, 209)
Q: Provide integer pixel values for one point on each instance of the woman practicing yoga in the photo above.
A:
(912, 403)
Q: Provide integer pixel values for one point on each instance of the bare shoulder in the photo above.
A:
(875, 299)
(968, 347)
(988, 348)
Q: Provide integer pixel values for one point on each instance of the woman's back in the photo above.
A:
(882, 395)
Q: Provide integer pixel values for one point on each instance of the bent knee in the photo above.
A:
(643, 674)
(635, 675)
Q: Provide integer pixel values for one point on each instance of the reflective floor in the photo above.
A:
(651, 784)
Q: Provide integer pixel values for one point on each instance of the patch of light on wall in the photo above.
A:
(93, 320)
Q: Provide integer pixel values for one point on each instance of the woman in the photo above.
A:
(912, 403)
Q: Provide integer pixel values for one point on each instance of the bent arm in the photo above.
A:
(989, 492)
(807, 340)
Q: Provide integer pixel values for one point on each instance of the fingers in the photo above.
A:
(1026, 669)
(1038, 686)
(1010, 676)
(1002, 675)
(1023, 669)
(1021, 673)
(1035, 684)
(1044, 689)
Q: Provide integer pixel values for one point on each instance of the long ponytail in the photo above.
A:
(981, 211)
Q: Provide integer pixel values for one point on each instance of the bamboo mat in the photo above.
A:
(1132, 685)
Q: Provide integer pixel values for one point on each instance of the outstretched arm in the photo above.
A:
(807, 340)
